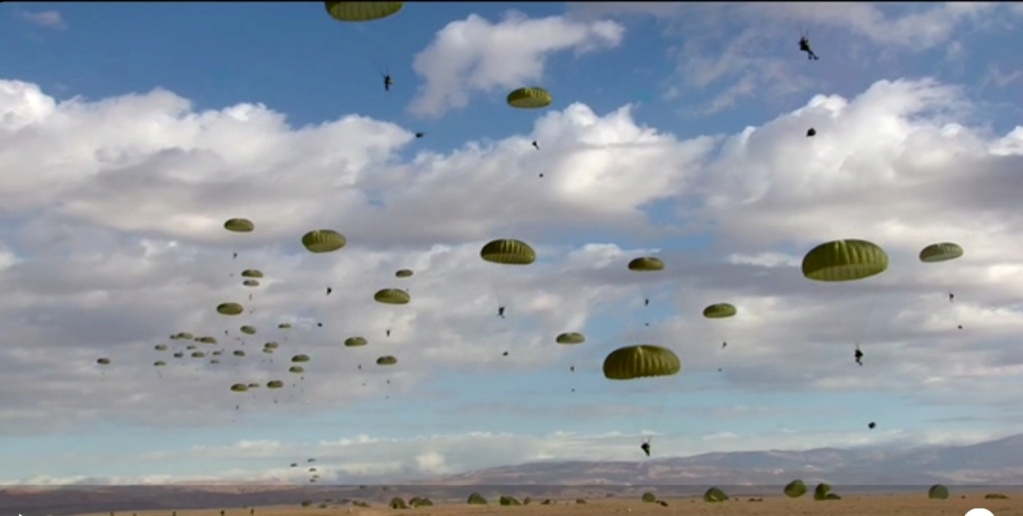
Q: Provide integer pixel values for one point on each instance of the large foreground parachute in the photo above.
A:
(844, 260)
(941, 252)
(641, 361)
(530, 98)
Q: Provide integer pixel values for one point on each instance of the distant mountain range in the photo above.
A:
(989, 464)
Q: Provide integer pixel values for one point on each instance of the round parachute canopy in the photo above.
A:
(103, 361)
(795, 489)
(715, 494)
(191, 347)
(179, 355)
(250, 283)
(362, 11)
(354, 342)
(719, 311)
(386, 360)
(252, 273)
(248, 330)
(271, 345)
(159, 363)
(392, 296)
(508, 251)
(300, 358)
(274, 384)
(646, 264)
(268, 351)
(570, 338)
(207, 340)
(844, 260)
(530, 98)
(239, 387)
(198, 354)
(942, 252)
(238, 353)
(284, 326)
(937, 492)
(217, 353)
(296, 369)
(323, 241)
(230, 309)
(184, 335)
(254, 385)
(160, 347)
(239, 225)
(403, 273)
(641, 361)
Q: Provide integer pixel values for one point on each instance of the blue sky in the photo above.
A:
(110, 235)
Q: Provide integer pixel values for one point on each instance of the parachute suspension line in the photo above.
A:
(868, 314)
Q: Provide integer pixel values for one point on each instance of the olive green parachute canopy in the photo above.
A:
(230, 309)
(386, 360)
(159, 363)
(296, 369)
(530, 98)
(570, 338)
(183, 335)
(254, 385)
(354, 342)
(937, 492)
(239, 387)
(239, 225)
(179, 355)
(250, 283)
(274, 384)
(795, 489)
(248, 330)
(941, 252)
(300, 358)
(508, 251)
(103, 361)
(252, 273)
(191, 347)
(641, 361)
(715, 494)
(284, 326)
(160, 347)
(198, 354)
(392, 296)
(323, 241)
(207, 340)
(238, 353)
(646, 264)
(294, 464)
(719, 311)
(844, 260)
(403, 273)
(362, 11)
(271, 345)
(216, 353)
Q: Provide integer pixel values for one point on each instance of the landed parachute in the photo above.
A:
(530, 98)
(844, 260)
(362, 11)
(641, 361)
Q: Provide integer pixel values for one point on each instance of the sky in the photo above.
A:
(130, 132)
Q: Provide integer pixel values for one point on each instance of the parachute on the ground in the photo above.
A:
(719, 311)
(362, 11)
(239, 225)
(230, 309)
(570, 338)
(844, 260)
(530, 98)
(940, 252)
(323, 241)
(508, 251)
(641, 361)
(646, 264)
(392, 296)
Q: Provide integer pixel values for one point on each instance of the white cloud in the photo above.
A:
(112, 242)
(50, 19)
(474, 55)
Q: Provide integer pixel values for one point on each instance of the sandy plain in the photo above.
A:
(853, 505)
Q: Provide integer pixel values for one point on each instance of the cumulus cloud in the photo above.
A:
(475, 55)
(50, 19)
(112, 241)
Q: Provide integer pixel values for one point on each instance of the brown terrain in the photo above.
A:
(855, 505)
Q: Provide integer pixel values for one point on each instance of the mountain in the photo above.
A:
(992, 463)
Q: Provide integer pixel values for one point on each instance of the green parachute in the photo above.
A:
(362, 11)
(530, 98)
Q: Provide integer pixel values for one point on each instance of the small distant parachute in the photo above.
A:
(103, 361)
(641, 361)
(239, 387)
(230, 309)
(403, 273)
(207, 340)
(159, 363)
(508, 251)
(719, 311)
(284, 326)
(530, 98)
(941, 252)
(300, 358)
(238, 353)
(239, 225)
(386, 360)
(254, 385)
(811, 132)
(354, 342)
(844, 260)
(646, 264)
(362, 11)
(274, 384)
(296, 369)
(248, 330)
(323, 241)
(198, 354)
(392, 296)
(570, 338)
(182, 336)
(160, 347)
(250, 283)
(252, 273)
(271, 345)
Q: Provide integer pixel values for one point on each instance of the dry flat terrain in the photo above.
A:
(854, 505)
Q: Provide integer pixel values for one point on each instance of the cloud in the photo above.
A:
(112, 241)
(475, 55)
(50, 19)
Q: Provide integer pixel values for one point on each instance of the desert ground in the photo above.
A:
(854, 505)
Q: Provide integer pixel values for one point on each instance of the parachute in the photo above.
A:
(403, 273)
(323, 241)
(354, 342)
(239, 225)
(570, 338)
(362, 11)
(641, 361)
(248, 330)
(508, 251)
(240, 387)
(250, 283)
(252, 273)
(103, 361)
(646, 264)
(230, 309)
(941, 252)
(392, 296)
(530, 98)
(719, 311)
(300, 358)
(844, 260)
(387, 360)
